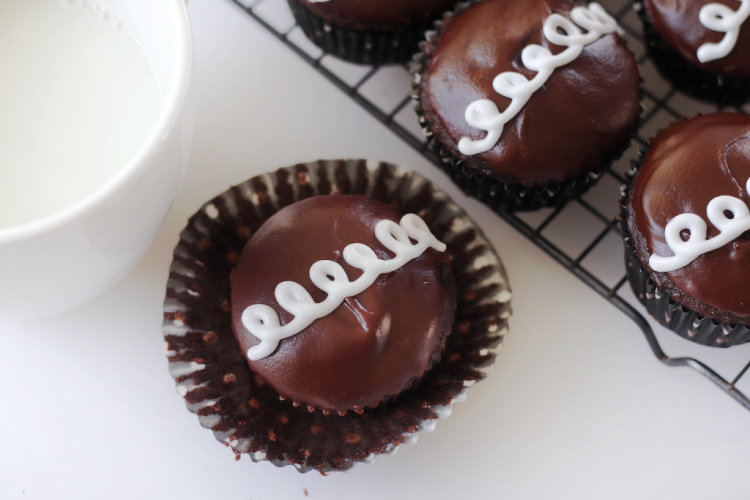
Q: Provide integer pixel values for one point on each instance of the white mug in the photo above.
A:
(56, 263)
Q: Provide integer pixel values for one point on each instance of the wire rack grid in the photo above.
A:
(596, 248)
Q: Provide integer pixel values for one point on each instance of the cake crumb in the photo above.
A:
(352, 438)
(305, 490)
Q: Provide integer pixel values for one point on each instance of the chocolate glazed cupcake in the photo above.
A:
(366, 31)
(241, 407)
(526, 107)
(709, 64)
(372, 345)
(687, 229)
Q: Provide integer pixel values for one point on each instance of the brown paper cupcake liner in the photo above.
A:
(238, 406)
(694, 81)
(682, 320)
(497, 194)
(360, 47)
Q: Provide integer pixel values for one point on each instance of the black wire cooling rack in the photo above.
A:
(385, 93)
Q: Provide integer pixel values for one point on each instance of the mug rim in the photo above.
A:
(175, 101)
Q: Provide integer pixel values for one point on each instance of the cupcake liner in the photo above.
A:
(684, 76)
(243, 411)
(497, 194)
(682, 320)
(360, 47)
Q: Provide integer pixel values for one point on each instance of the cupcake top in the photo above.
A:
(370, 334)
(688, 214)
(519, 92)
(713, 35)
(369, 15)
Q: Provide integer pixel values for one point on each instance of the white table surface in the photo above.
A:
(576, 408)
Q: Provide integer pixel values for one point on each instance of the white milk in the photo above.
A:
(78, 98)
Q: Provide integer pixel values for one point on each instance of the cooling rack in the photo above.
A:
(596, 248)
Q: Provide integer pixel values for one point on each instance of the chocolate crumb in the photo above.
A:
(244, 232)
(352, 438)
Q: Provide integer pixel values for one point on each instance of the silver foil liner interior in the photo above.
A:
(244, 412)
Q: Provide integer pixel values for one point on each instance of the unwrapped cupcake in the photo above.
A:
(335, 308)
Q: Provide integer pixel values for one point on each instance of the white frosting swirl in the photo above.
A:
(686, 252)
(719, 17)
(263, 322)
(483, 113)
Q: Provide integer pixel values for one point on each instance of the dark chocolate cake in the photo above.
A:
(374, 344)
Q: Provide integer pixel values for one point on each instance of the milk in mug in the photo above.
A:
(78, 99)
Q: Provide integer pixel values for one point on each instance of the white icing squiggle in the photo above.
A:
(719, 17)
(263, 322)
(686, 252)
(483, 113)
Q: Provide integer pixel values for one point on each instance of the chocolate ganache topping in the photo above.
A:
(582, 115)
(678, 22)
(381, 15)
(686, 167)
(370, 347)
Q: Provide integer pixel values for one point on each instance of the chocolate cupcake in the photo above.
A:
(276, 395)
(701, 46)
(361, 338)
(687, 228)
(367, 32)
(567, 85)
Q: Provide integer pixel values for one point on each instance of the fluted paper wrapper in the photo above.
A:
(669, 313)
(497, 194)
(357, 46)
(238, 406)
